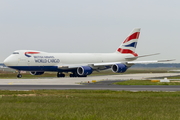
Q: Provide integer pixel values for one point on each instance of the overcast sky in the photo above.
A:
(90, 26)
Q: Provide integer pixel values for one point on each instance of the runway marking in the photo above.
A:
(10, 83)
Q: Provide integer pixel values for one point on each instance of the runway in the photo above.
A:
(91, 87)
(103, 83)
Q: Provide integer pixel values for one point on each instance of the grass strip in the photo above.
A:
(146, 82)
(89, 105)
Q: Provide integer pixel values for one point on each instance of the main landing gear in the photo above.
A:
(59, 74)
(74, 74)
(19, 75)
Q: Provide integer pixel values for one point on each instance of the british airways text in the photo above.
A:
(46, 59)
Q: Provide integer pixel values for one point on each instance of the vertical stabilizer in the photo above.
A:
(130, 43)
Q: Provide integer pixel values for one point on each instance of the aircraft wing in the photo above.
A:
(108, 64)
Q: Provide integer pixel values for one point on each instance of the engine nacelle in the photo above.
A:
(36, 73)
(119, 68)
(84, 70)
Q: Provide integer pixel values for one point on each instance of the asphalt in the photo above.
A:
(101, 83)
(92, 87)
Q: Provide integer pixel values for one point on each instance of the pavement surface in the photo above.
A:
(92, 87)
(102, 82)
(78, 80)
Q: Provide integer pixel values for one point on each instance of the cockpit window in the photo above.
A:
(15, 52)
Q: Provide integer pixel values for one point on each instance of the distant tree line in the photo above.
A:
(153, 65)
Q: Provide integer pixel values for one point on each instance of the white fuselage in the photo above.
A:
(19, 59)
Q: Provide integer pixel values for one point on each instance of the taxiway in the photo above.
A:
(103, 82)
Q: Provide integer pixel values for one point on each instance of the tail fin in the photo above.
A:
(130, 43)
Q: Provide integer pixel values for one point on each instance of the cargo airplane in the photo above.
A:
(79, 64)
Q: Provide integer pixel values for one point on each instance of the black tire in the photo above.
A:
(82, 76)
(71, 75)
(19, 76)
(60, 75)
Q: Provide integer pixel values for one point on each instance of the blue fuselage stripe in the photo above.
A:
(45, 68)
(36, 68)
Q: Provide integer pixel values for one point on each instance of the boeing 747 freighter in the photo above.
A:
(79, 64)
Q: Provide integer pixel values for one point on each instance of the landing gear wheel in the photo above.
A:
(72, 75)
(60, 74)
(19, 76)
(82, 76)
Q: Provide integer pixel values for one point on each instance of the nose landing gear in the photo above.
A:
(19, 75)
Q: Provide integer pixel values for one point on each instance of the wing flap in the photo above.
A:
(153, 61)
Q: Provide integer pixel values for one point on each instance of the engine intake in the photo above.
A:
(119, 68)
(84, 70)
(36, 73)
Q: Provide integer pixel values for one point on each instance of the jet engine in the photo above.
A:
(119, 68)
(84, 70)
(36, 73)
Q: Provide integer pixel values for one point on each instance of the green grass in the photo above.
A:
(89, 105)
(146, 82)
(174, 77)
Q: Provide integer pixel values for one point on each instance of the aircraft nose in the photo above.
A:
(8, 61)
